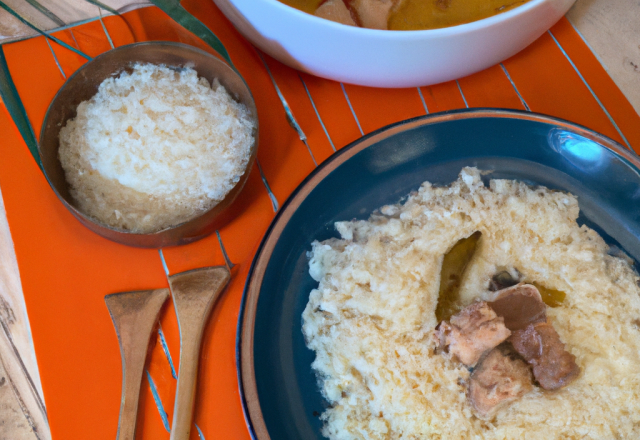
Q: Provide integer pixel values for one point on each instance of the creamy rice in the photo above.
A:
(371, 318)
(154, 148)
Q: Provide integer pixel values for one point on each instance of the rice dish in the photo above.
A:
(155, 147)
(372, 317)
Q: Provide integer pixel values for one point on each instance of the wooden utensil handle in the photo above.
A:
(186, 390)
(194, 294)
(134, 315)
(132, 378)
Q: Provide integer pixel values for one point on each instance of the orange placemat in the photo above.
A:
(66, 270)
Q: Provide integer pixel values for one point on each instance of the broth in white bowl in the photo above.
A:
(404, 15)
(378, 58)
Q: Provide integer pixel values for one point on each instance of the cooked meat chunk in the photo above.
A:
(373, 14)
(471, 332)
(540, 345)
(500, 378)
(520, 306)
(335, 10)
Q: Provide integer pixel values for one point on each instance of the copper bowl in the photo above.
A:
(84, 84)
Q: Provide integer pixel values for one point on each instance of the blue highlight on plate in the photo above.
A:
(580, 151)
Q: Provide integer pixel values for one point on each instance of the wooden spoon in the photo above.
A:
(134, 314)
(194, 294)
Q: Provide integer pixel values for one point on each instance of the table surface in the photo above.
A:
(62, 271)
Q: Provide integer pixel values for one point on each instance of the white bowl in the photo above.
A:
(380, 58)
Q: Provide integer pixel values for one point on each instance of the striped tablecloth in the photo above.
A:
(67, 270)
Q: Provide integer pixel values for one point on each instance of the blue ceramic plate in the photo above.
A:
(280, 392)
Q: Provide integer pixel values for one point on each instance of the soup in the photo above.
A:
(404, 14)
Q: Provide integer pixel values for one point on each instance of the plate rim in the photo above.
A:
(245, 370)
